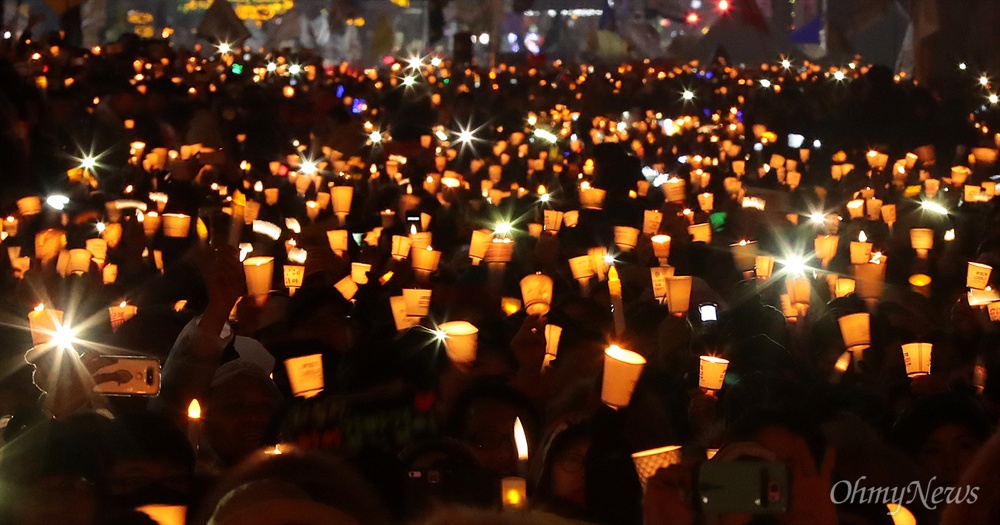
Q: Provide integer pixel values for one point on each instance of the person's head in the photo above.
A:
(53, 473)
(152, 462)
(563, 476)
(942, 433)
(484, 418)
(238, 410)
(320, 313)
(293, 487)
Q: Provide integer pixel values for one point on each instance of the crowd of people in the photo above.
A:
(256, 222)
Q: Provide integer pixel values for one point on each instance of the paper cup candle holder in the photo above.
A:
(621, 372)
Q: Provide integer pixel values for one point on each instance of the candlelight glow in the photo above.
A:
(949, 235)
(521, 440)
(503, 228)
(862, 237)
(194, 410)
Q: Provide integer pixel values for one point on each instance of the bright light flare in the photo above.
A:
(933, 207)
(503, 228)
(225, 48)
(409, 81)
(795, 265)
(57, 202)
(294, 69)
(88, 162)
(687, 95)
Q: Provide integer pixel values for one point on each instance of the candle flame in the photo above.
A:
(122, 304)
(258, 186)
(385, 278)
(413, 229)
(613, 274)
(949, 235)
(862, 237)
(876, 258)
(520, 440)
(843, 362)
(542, 190)
(40, 307)
(409, 189)
(194, 409)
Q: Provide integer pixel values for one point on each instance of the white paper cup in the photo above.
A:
(571, 218)
(337, 240)
(294, 274)
(259, 272)
(744, 254)
(98, 248)
(917, 357)
(626, 237)
(855, 329)
(651, 220)
(621, 372)
(648, 462)
(460, 340)
(165, 514)
(305, 375)
(536, 290)
(359, 272)
(479, 244)
(31, 205)
(552, 220)
(176, 225)
(79, 261)
(592, 198)
(44, 324)
(347, 287)
(110, 273)
(978, 276)
(552, 335)
(679, 294)
(48, 244)
(701, 233)
(844, 286)
(922, 240)
(400, 247)
(921, 283)
(712, 372)
(418, 301)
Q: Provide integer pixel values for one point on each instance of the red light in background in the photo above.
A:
(692, 18)
(723, 5)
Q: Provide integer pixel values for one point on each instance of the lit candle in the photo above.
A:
(826, 248)
(917, 358)
(855, 329)
(922, 240)
(651, 220)
(121, 313)
(194, 424)
(44, 324)
(712, 372)
(338, 241)
(861, 250)
(294, 274)
(342, 198)
(479, 244)
(617, 307)
(259, 272)
(626, 237)
(424, 260)
(661, 248)
(744, 254)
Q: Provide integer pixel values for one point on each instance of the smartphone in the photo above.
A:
(744, 487)
(708, 312)
(413, 219)
(129, 376)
